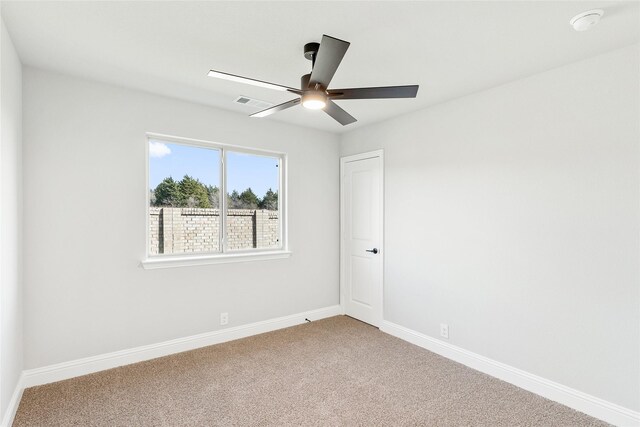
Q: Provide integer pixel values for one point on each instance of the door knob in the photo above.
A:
(374, 250)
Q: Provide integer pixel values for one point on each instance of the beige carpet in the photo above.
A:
(332, 372)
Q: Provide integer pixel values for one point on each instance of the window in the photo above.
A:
(212, 201)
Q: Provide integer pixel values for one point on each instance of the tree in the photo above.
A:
(248, 199)
(192, 193)
(233, 200)
(214, 196)
(166, 193)
(269, 201)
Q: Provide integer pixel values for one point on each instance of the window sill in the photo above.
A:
(193, 260)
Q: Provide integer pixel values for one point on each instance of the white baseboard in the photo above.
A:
(575, 399)
(87, 365)
(12, 408)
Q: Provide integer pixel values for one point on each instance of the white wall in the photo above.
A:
(10, 220)
(84, 159)
(512, 215)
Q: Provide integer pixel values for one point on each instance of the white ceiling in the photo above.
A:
(449, 48)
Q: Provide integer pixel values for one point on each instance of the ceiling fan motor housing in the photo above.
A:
(304, 81)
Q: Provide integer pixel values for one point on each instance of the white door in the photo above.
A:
(361, 236)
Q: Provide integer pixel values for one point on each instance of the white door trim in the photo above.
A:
(343, 161)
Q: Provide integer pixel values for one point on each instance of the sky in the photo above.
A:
(243, 170)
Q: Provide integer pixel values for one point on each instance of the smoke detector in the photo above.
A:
(585, 20)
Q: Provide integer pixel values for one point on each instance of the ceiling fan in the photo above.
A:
(314, 92)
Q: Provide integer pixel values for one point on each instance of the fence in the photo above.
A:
(183, 230)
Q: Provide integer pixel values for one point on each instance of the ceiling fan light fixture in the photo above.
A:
(314, 100)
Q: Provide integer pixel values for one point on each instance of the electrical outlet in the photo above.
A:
(444, 330)
(224, 318)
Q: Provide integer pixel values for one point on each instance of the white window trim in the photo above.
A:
(183, 260)
(152, 263)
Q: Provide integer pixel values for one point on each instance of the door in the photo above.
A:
(362, 253)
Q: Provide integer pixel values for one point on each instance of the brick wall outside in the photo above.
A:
(188, 230)
(154, 230)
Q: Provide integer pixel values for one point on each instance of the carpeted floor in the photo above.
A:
(331, 372)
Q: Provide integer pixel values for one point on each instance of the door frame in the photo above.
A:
(343, 161)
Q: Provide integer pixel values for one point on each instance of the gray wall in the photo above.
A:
(84, 292)
(10, 221)
(512, 215)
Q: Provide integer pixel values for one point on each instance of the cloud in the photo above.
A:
(158, 149)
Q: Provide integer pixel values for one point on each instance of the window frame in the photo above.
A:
(152, 261)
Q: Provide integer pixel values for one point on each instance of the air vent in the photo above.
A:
(253, 103)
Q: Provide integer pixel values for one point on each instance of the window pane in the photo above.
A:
(184, 198)
(252, 217)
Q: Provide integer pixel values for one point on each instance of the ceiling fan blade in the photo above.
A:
(276, 108)
(254, 82)
(338, 113)
(327, 60)
(374, 92)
